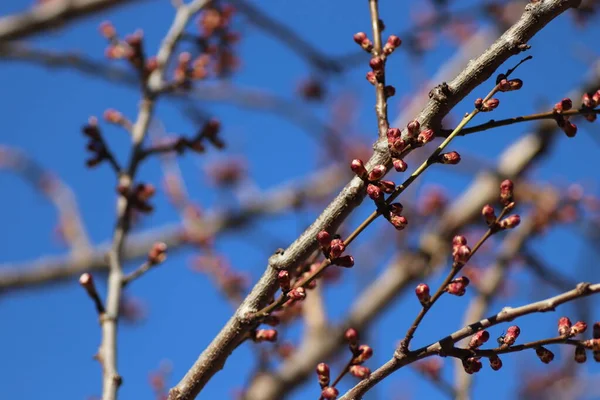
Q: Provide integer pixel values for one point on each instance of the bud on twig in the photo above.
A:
(323, 374)
(564, 326)
(423, 294)
(545, 355)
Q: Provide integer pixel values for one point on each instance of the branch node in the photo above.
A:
(440, 93)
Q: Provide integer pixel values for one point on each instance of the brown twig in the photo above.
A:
(401, 359)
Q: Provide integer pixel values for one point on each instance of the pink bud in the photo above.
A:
(458, 286)
(506, 191)
(400, 165)
(479, 339)
(377, 172)
(387, 186)
(462, 254)
(570, 129)
(297, 294)
(337, 247)
(491, 104)
(329, 393)
(422, 292)
(392, 44)
(323, 373)
(351, 336)
(376, 63)
(472, 365)
(399, 145)
(265, 335)
(510, 222)
(578, 327)
(324, 239)
(451, 158)
(587, 101)
(512, 333)
(398, 221)
(393, 134)
(413, 127)
(564, 105)
(364, 353)
(371, 77)
(284, 280)
(374, 192)
(360, 371)
(358, 167)
(459, 240)
(86, 280)
(564, 326)
(158, 253)
(425, 136)
(359, 37)
(545, 355)
(489, 215)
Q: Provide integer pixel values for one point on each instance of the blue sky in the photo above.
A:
(49, 335)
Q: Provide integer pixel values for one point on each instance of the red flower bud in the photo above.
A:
(392, 44)
(323, 373)
(337, 247)
(360, 371)
(489, 215)
(458, 286)
(158, 253)
(374, 192)
(422, 292)
(425, 136)
(324, 239)
(399, 222)
(459, 240)
(329, 393)
(510, 222)
(376, 63)
(371, 77)
(358, 167)
(461, 254)
(393, 134)
(265, 335)
(398, 145)
(491, 104)
(344, 261)
(472, 365)
(570, 129)
(479, 339)
(506, 192)
(297, 294)
(359, 37)
(564, 326)
(512, 333)
(413, 127)
(564, 105)
(284, 280)
(451, 158)
(364, 353)
(351, 336)
(578, 327)
(387, 186)
(377, 172)
(400, 165)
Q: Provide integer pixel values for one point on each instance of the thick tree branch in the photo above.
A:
(51, 14)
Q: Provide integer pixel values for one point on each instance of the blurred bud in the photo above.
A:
(423, 294)
(545, 355)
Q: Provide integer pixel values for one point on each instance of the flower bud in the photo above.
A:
(158, 253)
(400, 165)
(329, 393)
(359, 371)
(265, 335)
(495, 362)
(489, 215)
(351, 336)
(390, 91)
(297, 294)
(570, 129)
(398, 221)
(284, 280)
(377, 172)
(512, 333)
(371, 77)
(344, 261)
(425, 136)
(461, 254)
(459, 240)
(479, 339)
(451, 158)
(392, 44)
(596, 330)
(358, 167)
(387, 186)
(545, 355)
(337, 247)
(472, 365)
(398, 145)
(491, 104)
(564, 105)
(324, 239)
(323, 373)
(374, 192)
(364, 353)
(359, 37)
(580, 355)
(510, 222)
(376, 63)
(564, 326)
(413, 128)
(506, 192)
(578, 327)
(393, 134)
(458, 286)
(422, 292)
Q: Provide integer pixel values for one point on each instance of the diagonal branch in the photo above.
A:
(442, 100)
(51, 14)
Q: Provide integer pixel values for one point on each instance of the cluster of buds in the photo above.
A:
(157, 253)
(376, 186)
(589, 103)
(432, 201)
(512, 333)
(216, 38)
(130, 49)
(478, 339)
(569, 128)
(139, 196)
(188, 70)
(265, 335)
(487, 105)
(461, 253)
(471, 365)
(394, 216)
(95, 143)
(360, 354)
(545, 355)
(565, 328)
(333, 248)
(415, 137)
(506, 85)
(458, 286)
(363, 41)
(209, 131)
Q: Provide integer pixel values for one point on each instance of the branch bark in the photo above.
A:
(442, 100)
